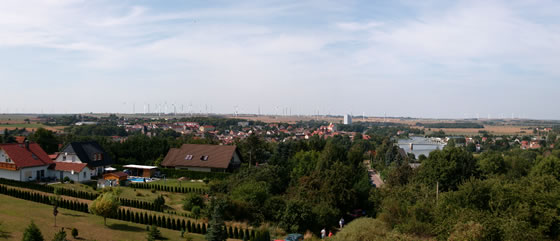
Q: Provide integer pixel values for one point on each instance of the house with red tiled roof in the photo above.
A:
(23, 161)
(78, 172)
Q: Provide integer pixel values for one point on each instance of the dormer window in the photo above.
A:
(188, 157)
(97, 157)
(204, 158)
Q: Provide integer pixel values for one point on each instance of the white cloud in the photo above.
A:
(356, 26)
(288, 52)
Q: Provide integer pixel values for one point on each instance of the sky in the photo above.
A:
(407, 58)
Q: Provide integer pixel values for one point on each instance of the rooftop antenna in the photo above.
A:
(363, 116)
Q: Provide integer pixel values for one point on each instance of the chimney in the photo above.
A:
(26, 144)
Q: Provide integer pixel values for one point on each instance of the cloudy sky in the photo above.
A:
(400, 58)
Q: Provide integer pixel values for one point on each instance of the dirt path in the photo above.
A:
(373, 175)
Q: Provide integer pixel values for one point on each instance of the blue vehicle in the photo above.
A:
(294, 237)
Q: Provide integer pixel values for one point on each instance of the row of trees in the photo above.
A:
(153, 206)
(44, 199)
(168, 188)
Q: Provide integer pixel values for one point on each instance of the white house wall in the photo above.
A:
(69, 158)
(198, 169)
(8, 174)
(3, 156)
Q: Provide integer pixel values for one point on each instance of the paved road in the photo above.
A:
(373, 175)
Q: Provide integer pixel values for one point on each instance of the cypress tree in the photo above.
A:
(189, 227)
(183, 225)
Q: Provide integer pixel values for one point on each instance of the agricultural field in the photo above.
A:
(16, 214)
(494, 130)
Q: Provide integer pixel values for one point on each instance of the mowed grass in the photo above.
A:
(16, 214)
(172, 200)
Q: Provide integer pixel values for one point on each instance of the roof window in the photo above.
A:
(188, 157)
(204, 158)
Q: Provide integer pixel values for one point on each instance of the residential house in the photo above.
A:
(90, 153)
(207, 128)
(204, 158)
(77, 172)
(23, 162)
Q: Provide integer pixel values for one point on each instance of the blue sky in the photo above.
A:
(438, 59)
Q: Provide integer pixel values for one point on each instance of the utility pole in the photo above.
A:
(437, 192)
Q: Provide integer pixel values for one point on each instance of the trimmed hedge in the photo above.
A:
(165, 188)
(176, 173)
(44, 199)
(81, 194)
(127, 215)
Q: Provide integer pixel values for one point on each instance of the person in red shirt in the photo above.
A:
(330, 233)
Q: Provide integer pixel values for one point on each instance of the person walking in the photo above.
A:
(341, 222)
(323, 233)
(330, 234)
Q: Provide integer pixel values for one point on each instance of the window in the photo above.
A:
(188, 157)
(204, 158)
(64, 158)
(84, 174)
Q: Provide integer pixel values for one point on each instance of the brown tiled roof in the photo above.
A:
(116, 174)
(218, 156)
(68, 166)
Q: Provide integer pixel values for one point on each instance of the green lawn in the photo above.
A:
(16, 214)
(173, 200)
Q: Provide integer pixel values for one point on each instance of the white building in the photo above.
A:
(347, 119)
(23, 162)
(90, 153)
(77, 172)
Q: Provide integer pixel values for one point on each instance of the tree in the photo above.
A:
(448, 167)
(46, 139)
(154, 234)
(549, 165)
(60, 236)
(105, 205)
(491, 163)
(32, 233)
(216, 229)
(74, 233)
(192, 200)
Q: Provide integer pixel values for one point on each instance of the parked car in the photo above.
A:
(294, 237)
